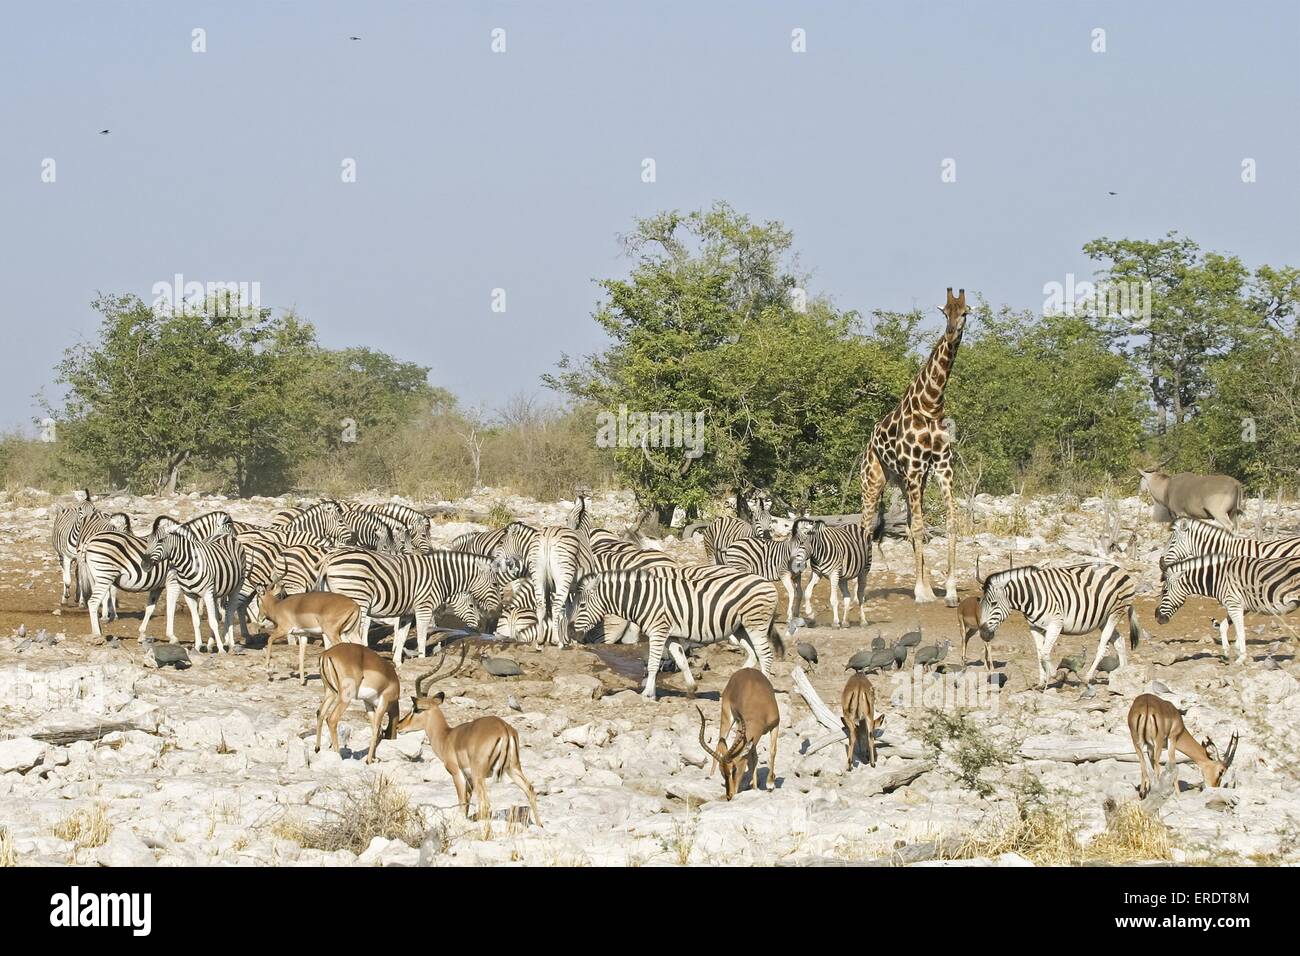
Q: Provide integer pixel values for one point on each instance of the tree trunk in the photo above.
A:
(174, 473)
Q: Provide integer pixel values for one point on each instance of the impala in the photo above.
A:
(857, 711)
(1156, 724)
(473, 753)
(749, 702)
(335, 617)
(352, 671)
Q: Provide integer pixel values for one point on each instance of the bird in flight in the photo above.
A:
(103, 132)
(1110, 193)
(354, 38)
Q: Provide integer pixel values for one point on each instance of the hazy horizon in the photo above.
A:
(478, 170)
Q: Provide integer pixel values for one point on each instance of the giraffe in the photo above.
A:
(911, 441)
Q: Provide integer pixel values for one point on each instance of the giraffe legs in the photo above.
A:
(943, 473)
(916, 530)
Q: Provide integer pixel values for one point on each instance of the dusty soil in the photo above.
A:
(213, 764)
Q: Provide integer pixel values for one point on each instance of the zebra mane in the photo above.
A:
(1011, 574)
(1204, 527)
(1195, 562)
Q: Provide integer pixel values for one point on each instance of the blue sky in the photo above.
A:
(478, 170)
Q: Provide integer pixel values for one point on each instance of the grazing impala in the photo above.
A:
(351, 671)
(968, 618)
(1156, 724)
(749, 701)
(473, 753)
(857, 710)
(335, 617)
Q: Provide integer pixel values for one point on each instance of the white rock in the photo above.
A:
(20, 754)
(124, 848)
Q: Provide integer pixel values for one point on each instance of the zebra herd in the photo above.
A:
(553, 585)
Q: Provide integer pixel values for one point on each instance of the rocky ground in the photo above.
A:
(106, 760)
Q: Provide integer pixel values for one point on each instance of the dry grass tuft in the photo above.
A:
(8, 856)
(1131, 835)
(86, 827)
(1042, 834)
(383, 810)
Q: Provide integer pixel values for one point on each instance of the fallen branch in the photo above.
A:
(825, 716)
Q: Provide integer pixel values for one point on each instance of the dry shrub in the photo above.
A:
(384, 810)
(1042, 834)
(8, 856)
(85, 827)
(1131, 835)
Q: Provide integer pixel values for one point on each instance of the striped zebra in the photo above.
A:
(323, 520)
(721, 533)
(210, 570)
(1076, 599)
(389, 587)
(623, 555)
(72, 524)
(599, 538)
(771, 560)
(556, 558)
(414, 521)
(841, 553)
(297, 567)
(702, 603)
(1190, 538)
(1239, 584)
(107, 560)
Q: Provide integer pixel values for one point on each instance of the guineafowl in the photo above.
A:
(807, 652)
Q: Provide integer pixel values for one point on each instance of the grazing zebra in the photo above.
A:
(555, 560)
(116, 559)
(771, 560)
(625, 556)
(702, 603)
(841, 553)
(389, 587)
(519, 608)
(210, 570)
(1190, 538)
(1271, 585)
(1077, 599)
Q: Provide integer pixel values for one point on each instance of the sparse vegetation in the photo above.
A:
(8, 856)
(85, 827)
(957, 741)
(382, 810)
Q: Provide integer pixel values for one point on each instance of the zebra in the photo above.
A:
(1190, 538)
(262, 548)
(555, 559)
(297, 567)
(599, 538)
(323, 520)
(115, 559)
(670, 606)
(377, 532)
(71, 525)
(210, 570)
(623, 555)
(721, 533)
(772, 560)
(841, 553)
(414, 521)
(1076, 599)
(421, 584)
(1239, 584)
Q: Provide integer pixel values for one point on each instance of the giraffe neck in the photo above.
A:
(925, 394)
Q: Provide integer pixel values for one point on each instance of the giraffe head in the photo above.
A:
(955, 311)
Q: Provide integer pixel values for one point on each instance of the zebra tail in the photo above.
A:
(774, 637)
(1134, 628)
(83, 576)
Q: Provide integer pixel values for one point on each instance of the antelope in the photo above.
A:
(350, 671)
(749, 701)
(1214, 498)
(857, 711)
(335, 617)
(1155, 724)
(473, 753)
(968, 618)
